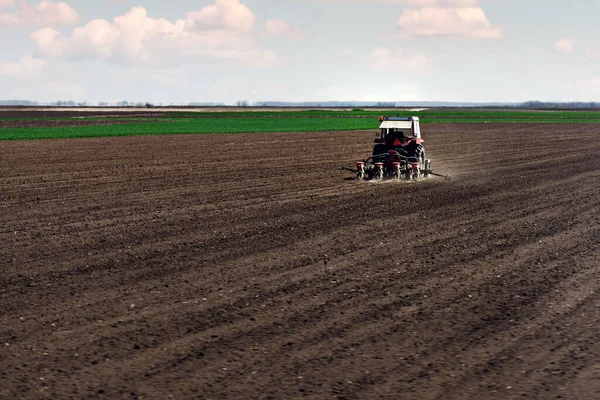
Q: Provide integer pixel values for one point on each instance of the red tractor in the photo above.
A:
(398, 152)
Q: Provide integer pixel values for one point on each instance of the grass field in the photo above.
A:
(262, 121)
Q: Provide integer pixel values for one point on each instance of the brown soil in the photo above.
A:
(61, 111)
(43, 118)
(245, 266)
(62, 123)
(17, 112)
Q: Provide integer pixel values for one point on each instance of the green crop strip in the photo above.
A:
(274, 121)
(189, 126)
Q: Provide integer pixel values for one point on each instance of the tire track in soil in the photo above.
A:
(244, 266)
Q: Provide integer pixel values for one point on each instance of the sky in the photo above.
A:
(224, 51)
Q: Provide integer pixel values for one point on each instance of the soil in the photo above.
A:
(61, 111)
(16, 112)
(248, 267)
(59, 123)
(32, 118)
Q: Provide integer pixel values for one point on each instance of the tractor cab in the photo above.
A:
(397, 133)
(399, 127)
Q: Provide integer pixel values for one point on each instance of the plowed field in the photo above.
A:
(245, 266)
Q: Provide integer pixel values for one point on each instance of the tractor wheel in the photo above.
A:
(419, 152)
(426, 167)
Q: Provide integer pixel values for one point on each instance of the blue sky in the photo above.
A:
(300, 50)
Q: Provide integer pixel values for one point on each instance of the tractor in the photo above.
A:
(398, 152)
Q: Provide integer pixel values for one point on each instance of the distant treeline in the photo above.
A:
(542, 105)
(18, 103)
(378, 104)
(534, 105)
(530, 105)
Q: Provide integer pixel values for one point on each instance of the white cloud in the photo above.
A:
(436, 3)
(277, 28)
(416, 3)
(27, 67)
(6, 3)
(230, 15)
(45, 13)
(564, 45)
(466, 22)
(94, 40)
(456, 18)
(592, 54)
(219, 32)
(384, 59)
